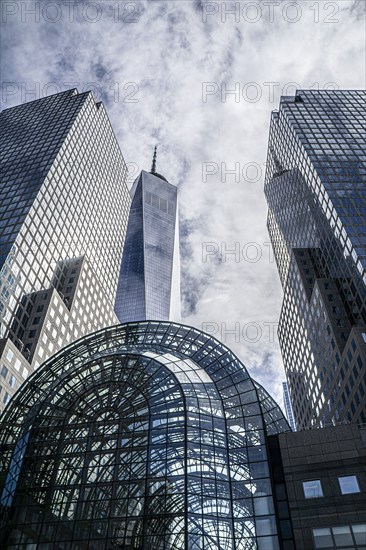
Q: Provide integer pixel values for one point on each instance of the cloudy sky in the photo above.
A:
(165, 70)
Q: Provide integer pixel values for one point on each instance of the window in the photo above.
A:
(312, 489)
(340, 537)
(4, 371)
(348, 485)
(323, 538)
(6, 398)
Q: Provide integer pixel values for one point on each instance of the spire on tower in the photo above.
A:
(153, 167)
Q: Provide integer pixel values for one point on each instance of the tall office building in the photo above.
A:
(149, 282)
(153, 434)
(316, 193)
(63, 216)
(143, 435)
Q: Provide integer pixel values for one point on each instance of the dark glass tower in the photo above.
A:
(147, 435)
(316, 193)
(149, 286)
(63, 217)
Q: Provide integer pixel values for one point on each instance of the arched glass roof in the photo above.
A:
(145, 435)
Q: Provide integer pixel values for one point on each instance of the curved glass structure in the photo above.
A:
(147, 435)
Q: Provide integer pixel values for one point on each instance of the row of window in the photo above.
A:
(347, 484)
(4, 373)
(344, 537)
(343, 178)
(50, 220)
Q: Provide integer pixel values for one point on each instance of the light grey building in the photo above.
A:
(63, 217)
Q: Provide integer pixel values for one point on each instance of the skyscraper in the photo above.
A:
(63, 216)
(153, 434)
(144, 435)
(316, 193)
(149, 282)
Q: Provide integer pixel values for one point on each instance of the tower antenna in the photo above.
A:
(153, 166)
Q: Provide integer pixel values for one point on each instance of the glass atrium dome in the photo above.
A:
(147, 435)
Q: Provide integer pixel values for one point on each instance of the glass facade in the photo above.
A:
(63, 218)
(316, 194)
(147, 286)
(144, 435)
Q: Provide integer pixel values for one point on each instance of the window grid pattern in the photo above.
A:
(145, 282)
(65, 196)
(315, 189)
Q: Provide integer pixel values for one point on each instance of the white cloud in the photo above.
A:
(169, 53)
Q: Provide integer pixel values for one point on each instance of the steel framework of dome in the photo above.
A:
(147, 435)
